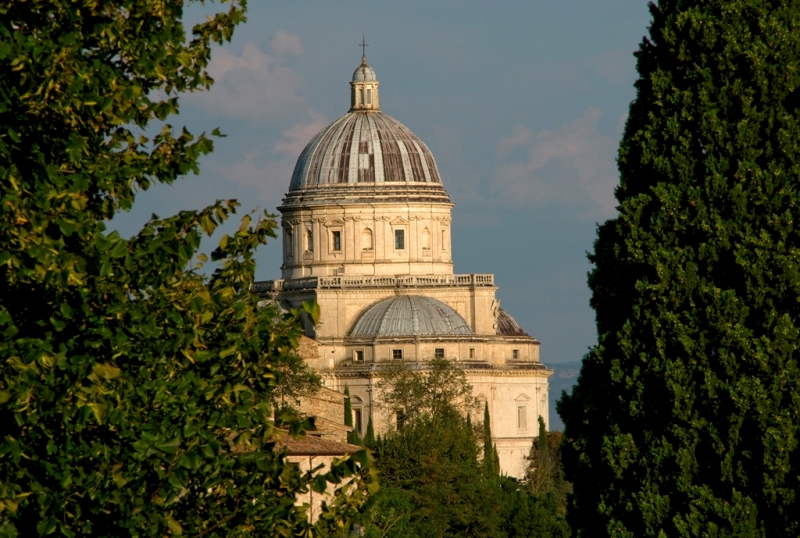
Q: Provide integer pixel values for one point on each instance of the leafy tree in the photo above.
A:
(544, 473)
(529, 515)
(686, 417)
(440, 476)
(435, 389)
(293, 380)
(134, 392)
(432, 484)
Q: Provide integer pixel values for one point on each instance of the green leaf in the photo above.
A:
(106, 371)
(170, 447)
(174, 526)
(312, 309)
(99, 411)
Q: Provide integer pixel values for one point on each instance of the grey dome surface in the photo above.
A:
(410, 315)
(364, 73)
(364, 147)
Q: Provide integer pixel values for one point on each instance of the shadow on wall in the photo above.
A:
(564, 378)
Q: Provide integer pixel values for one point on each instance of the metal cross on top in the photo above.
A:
(363, 46)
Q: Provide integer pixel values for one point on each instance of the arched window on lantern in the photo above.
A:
(309, 240)
(288, 240)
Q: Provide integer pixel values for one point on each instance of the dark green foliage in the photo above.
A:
(528, 515)
(545, 474)
(440, 476)
(686, 417)
(134, 393)
(431, 482)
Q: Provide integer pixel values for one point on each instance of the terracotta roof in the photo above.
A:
(312, 445)
(323, 425)
(508, 326)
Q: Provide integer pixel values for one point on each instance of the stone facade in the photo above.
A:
(366, 219)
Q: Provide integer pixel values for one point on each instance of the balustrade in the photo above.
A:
(338, 282)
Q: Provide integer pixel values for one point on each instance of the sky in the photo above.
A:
(522, 104)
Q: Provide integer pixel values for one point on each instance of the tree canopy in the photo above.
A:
(686, 417)
(440, 476)
(436, 388)
(134, 390)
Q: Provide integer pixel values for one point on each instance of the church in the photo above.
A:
(366, 227)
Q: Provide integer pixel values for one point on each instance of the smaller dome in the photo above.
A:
(508, 326)
(410, 315)
(363, 72)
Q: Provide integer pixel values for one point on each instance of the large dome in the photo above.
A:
(410, 315)
(364, 147)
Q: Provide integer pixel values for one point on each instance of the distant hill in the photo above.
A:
(565, 376)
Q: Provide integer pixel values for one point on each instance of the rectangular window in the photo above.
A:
(438, 353)
(309, 240)
(369, 96)
(336, 240)
(399, 240)
(358, 356)
(444, 239)
(357, 420)
(362, 96)
(472, 353)
(522, 417)
(514, 353)
(397, 354)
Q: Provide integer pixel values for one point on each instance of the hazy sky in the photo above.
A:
(521, 103)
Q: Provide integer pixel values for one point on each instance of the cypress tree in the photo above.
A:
(686, 417)
(348, 407)
(369, 437)
(545, 468)
(352, 437)
(491, 461)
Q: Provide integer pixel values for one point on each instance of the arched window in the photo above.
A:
(309, 240)
(287, 241)
(426, 239)
(366, 239)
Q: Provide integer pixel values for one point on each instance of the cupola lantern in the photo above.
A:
(364, 88)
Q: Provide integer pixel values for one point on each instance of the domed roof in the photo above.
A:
(410, 315)
(363, 72)
(508, 326)
(364, 147)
